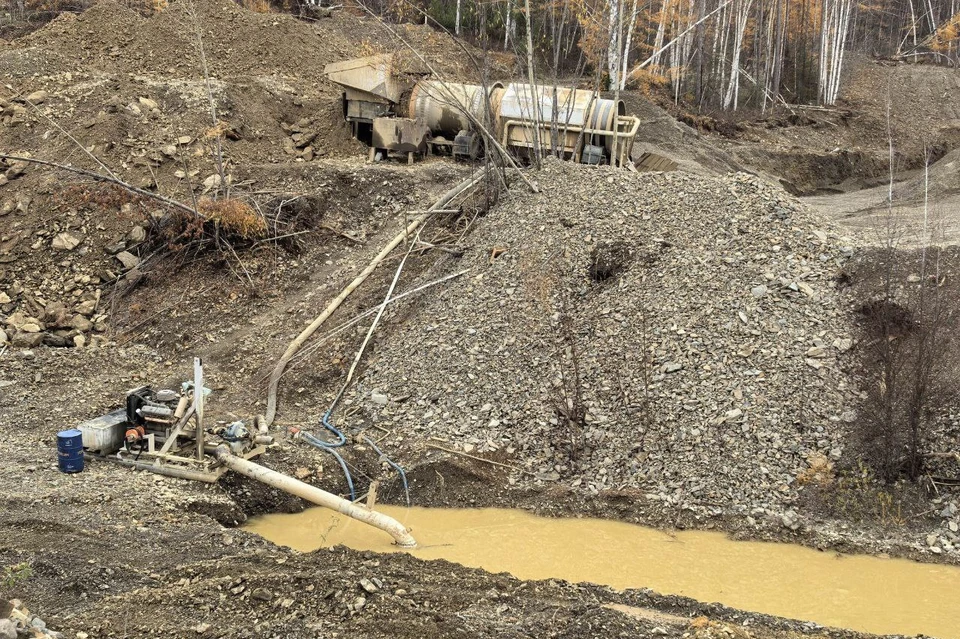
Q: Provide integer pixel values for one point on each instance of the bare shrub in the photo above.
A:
(234, 217)
(818, 473)
(857, 495)
(908, 359)
(568, 401)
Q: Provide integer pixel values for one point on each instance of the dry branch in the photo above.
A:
(304, 335)
(104, 178)
(481, 459)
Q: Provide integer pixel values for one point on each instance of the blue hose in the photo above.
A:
(330, 448)
(340, 441)
(403, 475)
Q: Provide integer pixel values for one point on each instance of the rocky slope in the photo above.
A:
(700, 315)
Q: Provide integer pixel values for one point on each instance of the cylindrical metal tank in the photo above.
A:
(447, 107)
(70, 450)
(561, 113)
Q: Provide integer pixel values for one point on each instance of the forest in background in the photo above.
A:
(710, 54)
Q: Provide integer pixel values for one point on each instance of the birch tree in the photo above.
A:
(833, 40)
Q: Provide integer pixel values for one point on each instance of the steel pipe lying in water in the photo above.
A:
(317, 496)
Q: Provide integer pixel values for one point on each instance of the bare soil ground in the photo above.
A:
(841, 157)
(120, 553)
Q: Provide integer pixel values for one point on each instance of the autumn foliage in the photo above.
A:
(234, 217)
(726, 54)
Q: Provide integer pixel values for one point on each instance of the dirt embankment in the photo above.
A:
(124, 95)
(712, 355)
(846, 147)
(892, 120)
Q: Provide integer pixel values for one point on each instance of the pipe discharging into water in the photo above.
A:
(317, 496)
(858, 592)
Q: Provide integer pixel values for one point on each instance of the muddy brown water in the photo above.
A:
(859, 592)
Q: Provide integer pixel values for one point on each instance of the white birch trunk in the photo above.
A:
(627, 45)
(613, 48)
(742, 14)
(661, 34)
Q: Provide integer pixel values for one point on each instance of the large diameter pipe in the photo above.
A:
(448, 107)
(317, 496)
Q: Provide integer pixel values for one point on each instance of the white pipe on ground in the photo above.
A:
(317, 496)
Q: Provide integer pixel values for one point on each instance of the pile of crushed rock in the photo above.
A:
(700, 315)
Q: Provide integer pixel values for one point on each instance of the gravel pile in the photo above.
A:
(704, 323)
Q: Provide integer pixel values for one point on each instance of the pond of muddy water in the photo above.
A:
(858, 592)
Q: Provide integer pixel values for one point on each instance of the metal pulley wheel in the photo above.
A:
(466, 144)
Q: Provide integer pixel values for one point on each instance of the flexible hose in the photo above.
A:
(322, 445)
(341, 439)
(403, 475)
(295, 345)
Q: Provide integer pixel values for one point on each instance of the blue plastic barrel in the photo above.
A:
(70, 450)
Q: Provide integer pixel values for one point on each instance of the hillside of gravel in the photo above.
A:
(136, 91)
(696, 319)
(122, 94)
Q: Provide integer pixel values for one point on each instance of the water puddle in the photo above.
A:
(859, 592)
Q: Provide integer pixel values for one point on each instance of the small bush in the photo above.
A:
(257, 6)
(818, 473)
(15, 574)
(234, 217)
(857, 495)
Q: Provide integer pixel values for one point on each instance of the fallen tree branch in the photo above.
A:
(370, 311)
(452, 250)
(376, 319)
(488, 461)
(104, 178)
(304, 335)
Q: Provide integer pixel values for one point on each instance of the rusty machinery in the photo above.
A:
(164, 431)
(403, 112)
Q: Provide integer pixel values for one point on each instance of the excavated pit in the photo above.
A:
(779, 579)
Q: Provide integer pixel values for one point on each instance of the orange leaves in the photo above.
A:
(594, 28)
(257, 6)
(233, 216)
(946, 36)
(97, 196)
(648, 79)
(216, 132)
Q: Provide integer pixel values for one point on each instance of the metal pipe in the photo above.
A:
(162, 469)
(198, 403)
(317, 496)
(181, 406)
(628, 135)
